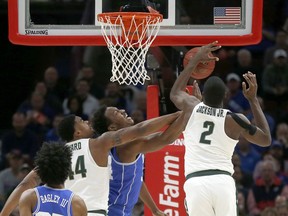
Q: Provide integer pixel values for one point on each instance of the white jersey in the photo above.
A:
(87, 179)
(206, 144)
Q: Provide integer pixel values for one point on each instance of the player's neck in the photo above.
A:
(56, 186)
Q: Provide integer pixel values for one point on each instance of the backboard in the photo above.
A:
(185, 23)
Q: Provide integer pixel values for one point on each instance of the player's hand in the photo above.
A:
(203, 53)
(152, 10)
(159, 213)
(250, 91)
(196, 90)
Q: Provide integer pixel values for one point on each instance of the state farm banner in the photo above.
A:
(164, 177)
(164, 169)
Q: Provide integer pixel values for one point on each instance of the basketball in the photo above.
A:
(203, 69)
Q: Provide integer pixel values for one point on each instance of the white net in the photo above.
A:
(128, 39)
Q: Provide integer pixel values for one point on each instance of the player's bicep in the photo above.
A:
(147, 144)
(258, 138)
(119, 137)
(251, 132)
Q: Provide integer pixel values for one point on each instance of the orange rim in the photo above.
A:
(127, 16)
(124, 20)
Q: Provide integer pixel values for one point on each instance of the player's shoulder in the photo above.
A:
(78, 205)
(29, 192)
(28, 196)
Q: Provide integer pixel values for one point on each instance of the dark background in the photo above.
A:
(22, 65)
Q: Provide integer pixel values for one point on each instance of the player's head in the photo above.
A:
(74, 127)
(214, 92)
(110, 119)
(53, 163)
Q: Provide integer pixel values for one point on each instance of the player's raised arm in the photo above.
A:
(127, 134)
(159, 140)
(261, 135)
(178, 95)
(30, 181)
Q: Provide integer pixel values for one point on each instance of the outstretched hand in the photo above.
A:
(203, 53)
(152, 10)
(250, 91)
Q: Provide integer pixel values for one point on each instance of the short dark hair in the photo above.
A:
(214, 91)
(66, 128)
(100, 122)
(53, 163)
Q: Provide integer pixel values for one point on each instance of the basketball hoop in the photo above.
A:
(128, 36)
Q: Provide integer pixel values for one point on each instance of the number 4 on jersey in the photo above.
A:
(79, 168)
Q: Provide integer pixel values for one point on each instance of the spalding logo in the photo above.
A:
(36, 32)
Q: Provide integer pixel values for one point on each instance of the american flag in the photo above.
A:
(227, 15)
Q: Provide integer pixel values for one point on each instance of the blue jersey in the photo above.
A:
(125, 185)
(52, 201)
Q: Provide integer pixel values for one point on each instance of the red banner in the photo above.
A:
(164, 177)
(164, 169)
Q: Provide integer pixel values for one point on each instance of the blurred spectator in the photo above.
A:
(275, 81)
(52, 82)
(269, 211)
(249, 157)
(138, 116)
(52, 134)
(24, 170)
(245, 62)
(51, 100)
(130, 93)
(20, 138)
(241, 201)
(88, 74)
(114, 94)
(280, 43)
(140, 102)
(277, 151)
(89, 103)
(265, 189)
(236, 160)
(282, 133)
(281, 136)
(74, 106)
(281, 205)
(235, 100)
(9, 177)
(38, 114)
(243, 183)
(266, 157)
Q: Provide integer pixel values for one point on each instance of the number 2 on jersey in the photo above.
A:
(205, 135)
(79, 168)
